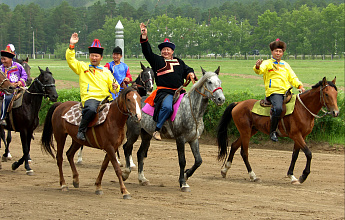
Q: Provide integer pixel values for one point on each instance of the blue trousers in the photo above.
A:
(6, 101)
(166, 111)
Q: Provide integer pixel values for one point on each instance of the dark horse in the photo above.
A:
(295, 126)
(107, 136)
(24, 119)
(186, 128)
(8, 140)
(144, 85)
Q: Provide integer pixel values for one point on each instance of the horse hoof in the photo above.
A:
(223, 173)
(127, 196)
(30, 172)
(295, 182)
(99, 192)
(79, 162)
(185, 189)
(144, 183)
(76, 185)
(257, 180)
(64, 188)
(14, 165)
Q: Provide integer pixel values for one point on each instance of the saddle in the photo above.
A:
(287, 98)
(17, 99)
(74, 114)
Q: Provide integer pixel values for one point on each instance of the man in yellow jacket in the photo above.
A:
(278, 77)
(95, 81)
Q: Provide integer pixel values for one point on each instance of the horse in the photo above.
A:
(144, 85)
(187, 126)
(295, 126)
(107, 136)
(7, 156)
(24, 119)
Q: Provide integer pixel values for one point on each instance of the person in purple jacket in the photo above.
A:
(16, 75)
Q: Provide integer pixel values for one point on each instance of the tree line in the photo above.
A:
(232, 28)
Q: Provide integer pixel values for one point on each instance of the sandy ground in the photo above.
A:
(211, 197)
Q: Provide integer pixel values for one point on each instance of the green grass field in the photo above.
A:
(236, 75)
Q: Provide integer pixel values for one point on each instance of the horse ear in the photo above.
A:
(47, 69)
(324, 81)
(142, 66)
(40, 69)
(335, 79)
(27, 59)
(218, 70)
(203, 71)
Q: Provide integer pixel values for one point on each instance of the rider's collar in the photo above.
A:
(96, 67)
(276, 62)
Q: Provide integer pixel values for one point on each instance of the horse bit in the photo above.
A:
(322, 97)
(45, 94)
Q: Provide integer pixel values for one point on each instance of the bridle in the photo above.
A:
(43, 88)
(322, 99)
(144, 82)
(128, 112)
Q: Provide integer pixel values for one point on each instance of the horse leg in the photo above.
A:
(112, 157)
(60, 143)
(25, 137)
(5, 155)
(133, 132)
(234, 146)
(244, 153)
(180, 143)
(194, 145)
(7, 149)
(98, 182)
(142, 154)
(80, 155)
(70, 156)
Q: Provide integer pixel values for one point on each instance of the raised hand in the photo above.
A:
(74, 39)
(143, 30)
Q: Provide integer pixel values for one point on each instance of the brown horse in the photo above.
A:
(297, 126)
(5, 85)
(107, 136)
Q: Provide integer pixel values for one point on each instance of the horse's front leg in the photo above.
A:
(194, 145)
(180, 143)
(98, 182)
(25, 137)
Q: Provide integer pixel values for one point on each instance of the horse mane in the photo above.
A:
(329, 83)
(124, 92)
(201, 81)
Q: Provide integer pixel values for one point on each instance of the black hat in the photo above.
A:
(166, 43)
(96, 47)
(8, 52)
(278, 44)
(117, 50)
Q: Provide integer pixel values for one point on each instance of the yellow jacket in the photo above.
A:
(95, 81)
(278, 77)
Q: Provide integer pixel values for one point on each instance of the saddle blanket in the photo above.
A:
(148, 109)
(73, 115)
(265, 111)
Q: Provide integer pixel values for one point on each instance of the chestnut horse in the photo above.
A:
(107, 136)
(5, 85)
(295, 126)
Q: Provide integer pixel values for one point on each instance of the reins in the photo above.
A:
(321, 98)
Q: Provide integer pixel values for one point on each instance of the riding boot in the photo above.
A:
(274, 125)
(82, 129)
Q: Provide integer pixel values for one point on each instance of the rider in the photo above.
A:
(95, 81)
(119, 69)
(16, 75)
(278, 77)
(169, 73)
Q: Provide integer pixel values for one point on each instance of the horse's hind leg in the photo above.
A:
(60, 143)
(234, 146)
(70, 156)
(141, 154)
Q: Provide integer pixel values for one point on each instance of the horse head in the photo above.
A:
(27, 69)
(5, 85)
(129, 103)
(146, 78)
(210, 86)
(45, 83)
(328, 96)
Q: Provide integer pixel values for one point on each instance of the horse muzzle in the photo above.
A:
(335, 113)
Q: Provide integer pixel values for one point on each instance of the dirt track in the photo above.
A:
(212, 197)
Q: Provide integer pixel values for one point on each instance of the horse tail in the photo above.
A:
(222, 131)
(47, 134)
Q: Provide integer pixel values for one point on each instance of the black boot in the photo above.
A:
(274, 125)
(82, 129)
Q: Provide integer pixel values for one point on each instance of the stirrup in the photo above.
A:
(156, 135)
(273, 136)
(3, 122)
(81, 136)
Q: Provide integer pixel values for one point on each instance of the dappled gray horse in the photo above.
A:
(187, 127)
